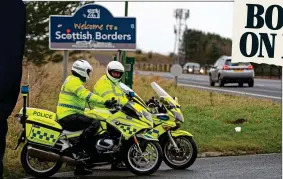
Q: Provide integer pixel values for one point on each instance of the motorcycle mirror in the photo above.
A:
(176, 99)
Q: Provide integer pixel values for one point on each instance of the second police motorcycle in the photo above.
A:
(179, 148)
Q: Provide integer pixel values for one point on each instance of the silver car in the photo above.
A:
(224, 71)
(191, 67)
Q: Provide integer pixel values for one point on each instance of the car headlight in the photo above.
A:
(201, 71)
(190, 69)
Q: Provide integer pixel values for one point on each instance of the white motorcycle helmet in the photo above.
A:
(82, 69)
(115, 71)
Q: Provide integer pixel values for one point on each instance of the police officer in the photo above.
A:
(108, 87)
(70, 108)
(11, 50)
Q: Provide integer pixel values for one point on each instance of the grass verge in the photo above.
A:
(210, 117)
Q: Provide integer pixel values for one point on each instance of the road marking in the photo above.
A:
(264, 90)
(230, 91)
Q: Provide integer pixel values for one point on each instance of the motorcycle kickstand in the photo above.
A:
(173, 141)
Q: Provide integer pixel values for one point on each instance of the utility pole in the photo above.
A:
(181, 15)
(124, 55)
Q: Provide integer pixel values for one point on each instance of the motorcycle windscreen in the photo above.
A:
(159, 91)
(126, 90)
(162, 93)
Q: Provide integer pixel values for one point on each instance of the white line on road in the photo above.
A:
(230, 91)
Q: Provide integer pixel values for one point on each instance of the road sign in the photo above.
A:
(92, 27)
(176, 70)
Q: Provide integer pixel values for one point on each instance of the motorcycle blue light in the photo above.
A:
(25, 89)
(132, 94)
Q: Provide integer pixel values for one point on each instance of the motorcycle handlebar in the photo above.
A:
(118, 107)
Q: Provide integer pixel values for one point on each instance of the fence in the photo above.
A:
(261, 70)
(153, 67)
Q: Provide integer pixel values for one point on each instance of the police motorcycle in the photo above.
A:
(179, 148)
(121, 134)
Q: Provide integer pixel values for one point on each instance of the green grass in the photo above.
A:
(208, 116)
(214, 131)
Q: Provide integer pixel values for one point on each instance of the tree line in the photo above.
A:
(203, 48)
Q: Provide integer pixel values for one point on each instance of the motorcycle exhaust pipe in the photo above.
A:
(49, 156)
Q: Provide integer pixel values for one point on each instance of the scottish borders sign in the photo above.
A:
(92, 27)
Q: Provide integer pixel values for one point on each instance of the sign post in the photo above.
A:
(118, 56)
(124, 53)
(65, 64)
(176, 70)
(92, 27)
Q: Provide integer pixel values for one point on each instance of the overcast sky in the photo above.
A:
(155, 21)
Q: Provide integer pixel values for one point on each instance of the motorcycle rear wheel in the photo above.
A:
(183, 159)
(37, 172)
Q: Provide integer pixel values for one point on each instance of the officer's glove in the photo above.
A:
(110, 103)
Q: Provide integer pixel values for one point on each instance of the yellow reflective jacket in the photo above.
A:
(107, 90)
(74, 97)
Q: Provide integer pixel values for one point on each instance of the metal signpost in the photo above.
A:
(176, 70)
(124, 53)
(92, 27)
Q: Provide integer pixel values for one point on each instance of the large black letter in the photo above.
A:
(268, 17)
(251, 16)
(269, 48)
(243, 44)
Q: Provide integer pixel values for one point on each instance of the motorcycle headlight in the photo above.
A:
(178, 116)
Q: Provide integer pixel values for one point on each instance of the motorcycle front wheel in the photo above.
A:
(36, 167)
(183, 158)
(144, 163)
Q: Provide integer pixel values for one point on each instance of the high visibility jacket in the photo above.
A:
(74, 97)
(107, 89)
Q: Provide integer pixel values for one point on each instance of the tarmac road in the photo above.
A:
(237, 167)
(263, 88)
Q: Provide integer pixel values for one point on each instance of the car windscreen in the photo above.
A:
(229, 63)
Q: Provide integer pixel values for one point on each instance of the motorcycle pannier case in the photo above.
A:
(41, 127)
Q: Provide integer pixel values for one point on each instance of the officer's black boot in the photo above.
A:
(81, 170)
